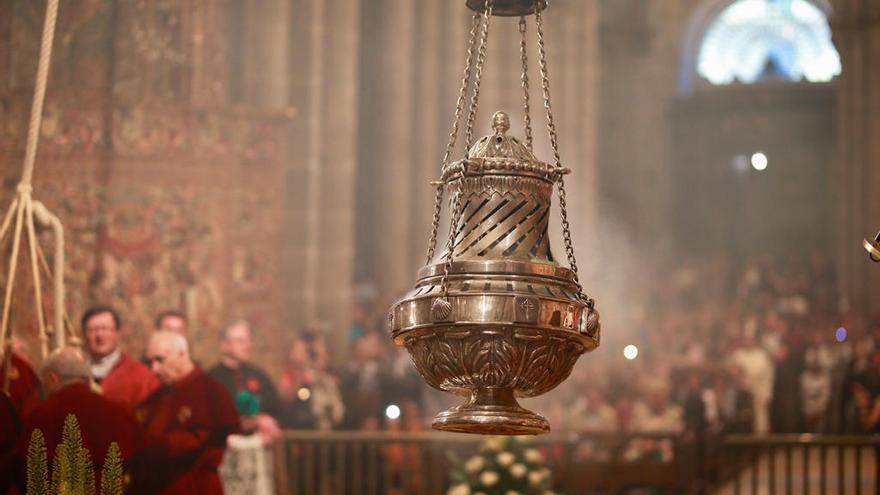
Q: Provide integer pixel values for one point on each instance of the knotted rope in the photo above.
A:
(24, 209)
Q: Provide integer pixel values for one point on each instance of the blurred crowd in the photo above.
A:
(758, 346)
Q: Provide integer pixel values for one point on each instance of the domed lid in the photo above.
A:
(500, 144)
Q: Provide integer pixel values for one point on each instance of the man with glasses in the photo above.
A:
(122, 378)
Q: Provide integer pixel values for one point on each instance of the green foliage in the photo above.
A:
(87, 473)
(72, 470)
(75, 459)
(503, 466)
(60, 470)
(111, 477)
(37, 465)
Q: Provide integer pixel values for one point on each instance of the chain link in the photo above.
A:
(453, 135)
(472, 114)
(481, 61)
(524, 55)
(453, 232)
(545, 86)
(554, 143)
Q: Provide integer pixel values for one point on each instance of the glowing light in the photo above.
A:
(755, 39)
(630, 352)
(392, 411)
(840, 334)
(304, 393)
(759, 161)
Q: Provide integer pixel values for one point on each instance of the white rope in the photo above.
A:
(22, 207)
(40, 91)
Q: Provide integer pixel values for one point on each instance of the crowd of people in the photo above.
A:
(763, 345)
(169, 418)
(753, 347)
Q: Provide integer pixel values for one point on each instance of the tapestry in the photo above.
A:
(167, 202)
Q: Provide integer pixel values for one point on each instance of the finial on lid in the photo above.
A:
(500, 123)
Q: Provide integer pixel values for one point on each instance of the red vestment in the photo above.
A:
(129, 382)
(101, 422)
(186, 425)
(10, 428)
(24, 386)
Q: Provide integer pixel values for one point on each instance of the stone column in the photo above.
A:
(398, 135)
(319, 239)
(431, 117)
(577, 102)
(856, 28)
(266, 53)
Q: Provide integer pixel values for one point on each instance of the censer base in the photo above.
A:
(491, 412)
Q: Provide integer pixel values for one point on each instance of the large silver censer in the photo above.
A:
(497, 318)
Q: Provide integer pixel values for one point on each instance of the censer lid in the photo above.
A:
(500, 144)
(500, 154)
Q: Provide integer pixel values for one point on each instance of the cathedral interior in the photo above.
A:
(275, 161)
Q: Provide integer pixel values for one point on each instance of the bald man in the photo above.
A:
(65, 378)
(186, 421)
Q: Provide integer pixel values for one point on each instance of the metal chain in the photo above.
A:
(523, 50)
(554, 143)
(453, 232)
(545, 87)
(481, 61)
(453, 135)
(472, 114)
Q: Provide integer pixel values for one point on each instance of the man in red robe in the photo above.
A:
(186, 422)
(101, 421)
(24, 386)
(122, 378)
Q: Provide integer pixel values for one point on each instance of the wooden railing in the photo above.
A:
(416, 463)
(798, 464)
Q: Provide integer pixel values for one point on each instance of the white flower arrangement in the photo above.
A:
(489, 478)
(504, 465)
(460, 489)
(474, 464)
(518, 470)
(494, 443)
(535, 478)
(533, 456)
(505, 459)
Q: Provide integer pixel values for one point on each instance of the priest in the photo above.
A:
(122, 378)
(186, 422)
